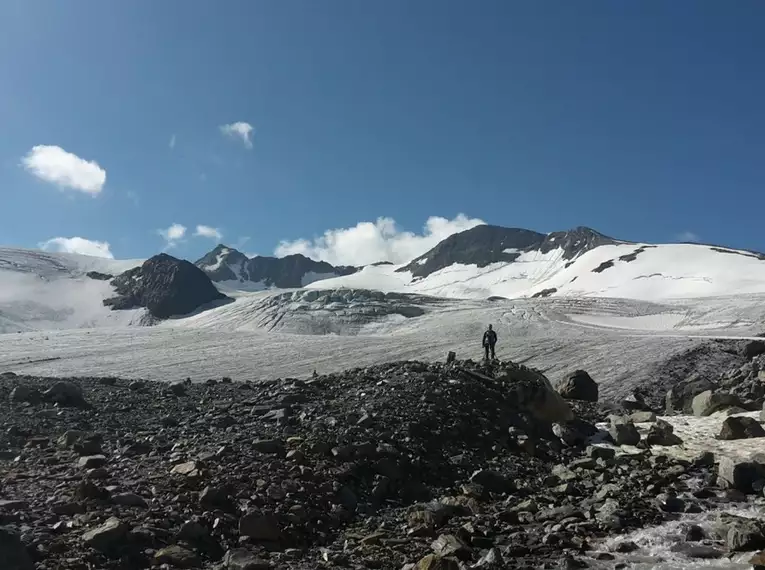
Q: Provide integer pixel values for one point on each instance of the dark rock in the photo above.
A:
(579, 386)
(635, 402)
(25, 394)
(695, 533)
(98, 276)
(492, 481)
(65, 393)
(129, 500)
(624, 431)
(680, 397)
(177, 388)
(698, 551)
(13, 554)
(272, 446)
(753, 348)
(435, 562)
(165, 286)
(259, 526)
(662, 433)
(745, 535)
(91, 461)
(216, 498)
(450, 545)
(741, 427)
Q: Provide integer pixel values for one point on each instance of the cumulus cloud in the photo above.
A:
(173, 234)
(208, 232)
(239, 130)
(78, 245)
(66, 170)
(688, 236)
(370, 242)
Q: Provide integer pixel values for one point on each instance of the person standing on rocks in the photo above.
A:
(489, 341)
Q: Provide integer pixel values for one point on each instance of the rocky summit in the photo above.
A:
(406, 465)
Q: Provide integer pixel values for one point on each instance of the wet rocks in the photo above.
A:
(741, 427)
(739, 474)
(579, 386)
(745, 535)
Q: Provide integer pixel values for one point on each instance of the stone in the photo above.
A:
(642, 417)
(695, 533)
(492, 481)
(579, 386)
(13, 554)
(745, 535)
(91, 461)
(534, 395)
(623, 431)
(709, 402)
(758, 561)
(271, 446)
(753, 348)
(739, 475)
(242, 559)
(670, 504)
(178, 557)
(178, 388)
(435, 562)
(662, 433)
(598, 452)
(741, 427)
(698, 551)
(24, 394)
(680, 397)
(263, 527)
(451, 356)
(193, 531)
(129, 500)
(13, 505)
(216, 498)
(65, 393)
(449, 545)
(107, 536)
(635, 402)
(189, 469)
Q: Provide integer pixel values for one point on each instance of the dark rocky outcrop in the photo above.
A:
(741, 427)
(290, 272)
(99, 276)
(754, 348)
(680, 397)
(486, 244)
(165, 286)
(579, 386)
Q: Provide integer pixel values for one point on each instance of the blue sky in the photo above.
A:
(644, 120)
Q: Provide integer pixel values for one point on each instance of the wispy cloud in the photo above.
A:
(208, 232)
(66, 170)
(370, 242)
(173, 234)
(239, 130)
(78, 245)
(688, 236)
(172, 142)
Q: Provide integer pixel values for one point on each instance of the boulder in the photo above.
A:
(492, 481)
(177, 557)
(579, 386)
(662, 433)
(708, 402)
(259, 526)
(165, 286)
(741, 427)
(107, 536)
(535, 395)
(623, 431)
(753, 348)
(435, 562)
(642, 417)
(745, 535)
(680, 397)
(740, 475)
(13, 553)
(25, 394)
(635, 402)
(242, 559)
(65, 393)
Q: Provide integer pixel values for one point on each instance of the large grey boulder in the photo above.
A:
(107, 536)
(741, 427)
(65, 393)
(709, 402)
(579, 386)
(754, 348)
(534, 394)
(739, 474)
(680, 396)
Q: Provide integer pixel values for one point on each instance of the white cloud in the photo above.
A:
(239, 130)
(173, 234)
(688, 236)
(78, 245)
(68, 171)
(370, 242)
(172, 142)
(208, 232)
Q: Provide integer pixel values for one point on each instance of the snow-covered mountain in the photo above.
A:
(490, 261)
(231, 269)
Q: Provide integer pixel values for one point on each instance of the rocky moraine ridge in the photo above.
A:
(407, 465)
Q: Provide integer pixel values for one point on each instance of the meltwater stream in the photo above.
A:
(664, 547)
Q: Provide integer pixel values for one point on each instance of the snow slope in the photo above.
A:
(632, 271)
(48, 291)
